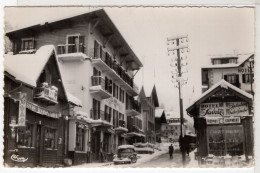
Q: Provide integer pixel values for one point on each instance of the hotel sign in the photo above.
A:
(224, 109)
(37, 109)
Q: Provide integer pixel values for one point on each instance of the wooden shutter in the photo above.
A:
(81, 43)
(225, 77)
(243, 78)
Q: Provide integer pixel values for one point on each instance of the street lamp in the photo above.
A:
(177, 64)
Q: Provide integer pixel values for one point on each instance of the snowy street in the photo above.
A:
(160, 158)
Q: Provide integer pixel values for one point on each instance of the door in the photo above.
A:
(95, 145)
(39, 145)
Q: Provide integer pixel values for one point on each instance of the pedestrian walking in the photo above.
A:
(171, 151)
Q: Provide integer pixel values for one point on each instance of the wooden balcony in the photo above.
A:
(46, 94)
(100, 88)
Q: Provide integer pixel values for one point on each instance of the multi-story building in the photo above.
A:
(235, 69)
(171, 130)
(35, 109)
(97, 66)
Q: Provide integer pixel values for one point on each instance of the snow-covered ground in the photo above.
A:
(142, 158)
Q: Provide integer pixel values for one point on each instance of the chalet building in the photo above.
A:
(160, 119)
(98, 68)
(35, 109)
(149, 101)
(171, 130)
(223, 123)
(223, 113)
(235, 69)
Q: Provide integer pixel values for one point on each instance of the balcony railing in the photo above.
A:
(46, 93)
(99, 81)
(113, 65)
(133, 105)
(98, 114)
(122, 123)
(70, 48)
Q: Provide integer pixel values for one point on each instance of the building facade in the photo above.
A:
(235, 69)
(97, 66)
(35, 110)
(160, 119)
(171, 130)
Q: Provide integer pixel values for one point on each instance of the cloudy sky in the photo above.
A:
(210, 30)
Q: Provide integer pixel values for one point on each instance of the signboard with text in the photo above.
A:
(224, 109)
(225, 120)
(22, 109)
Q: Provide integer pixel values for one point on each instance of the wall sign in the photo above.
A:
(225, 120)
(16, 158)
(236, 108)
(224, 109)
(212, 109)
(42, 111)
(22, 109)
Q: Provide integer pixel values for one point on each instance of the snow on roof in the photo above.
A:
(126, 146)
(172, 114)
(158, 112)
(223, 84)
(241, 59)
(28, 67)
(73, 99)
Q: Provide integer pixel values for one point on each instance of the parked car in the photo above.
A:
(125, 154)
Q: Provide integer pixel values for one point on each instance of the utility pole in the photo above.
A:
(177, 74)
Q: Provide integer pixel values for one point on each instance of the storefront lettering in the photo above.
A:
(224, 109)
(227, 120)
(42, 111)
(245, 70)
(236, 108)
(232, 120)
(16, 158)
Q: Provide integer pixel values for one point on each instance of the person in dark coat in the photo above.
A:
(171, 151)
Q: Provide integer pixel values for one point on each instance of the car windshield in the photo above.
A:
(127, 150)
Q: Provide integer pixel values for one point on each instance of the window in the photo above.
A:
(25, 138)
(50, 136)
(226, 140)
(233, 79)
(108, 85)
(27, 44)
(108, 111)
(115, 118)
(205, 78)
(98, 50)
(75, 43)
(233, 60)
(247, 79)
(80, 137)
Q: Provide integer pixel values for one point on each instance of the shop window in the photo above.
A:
(80, 138)
(25, 137)
(225, 140)
(50, 138)
(27, 44)
(247, 78)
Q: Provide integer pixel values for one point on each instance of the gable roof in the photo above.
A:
(241, 59)
(27, 68)
(97, 14)
(155, 97)
(221, 84)
(158, 112)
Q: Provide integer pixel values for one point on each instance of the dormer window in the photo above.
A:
(27, 44)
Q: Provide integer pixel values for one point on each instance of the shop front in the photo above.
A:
(223, 123)
(35, 139)
(79, 137)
